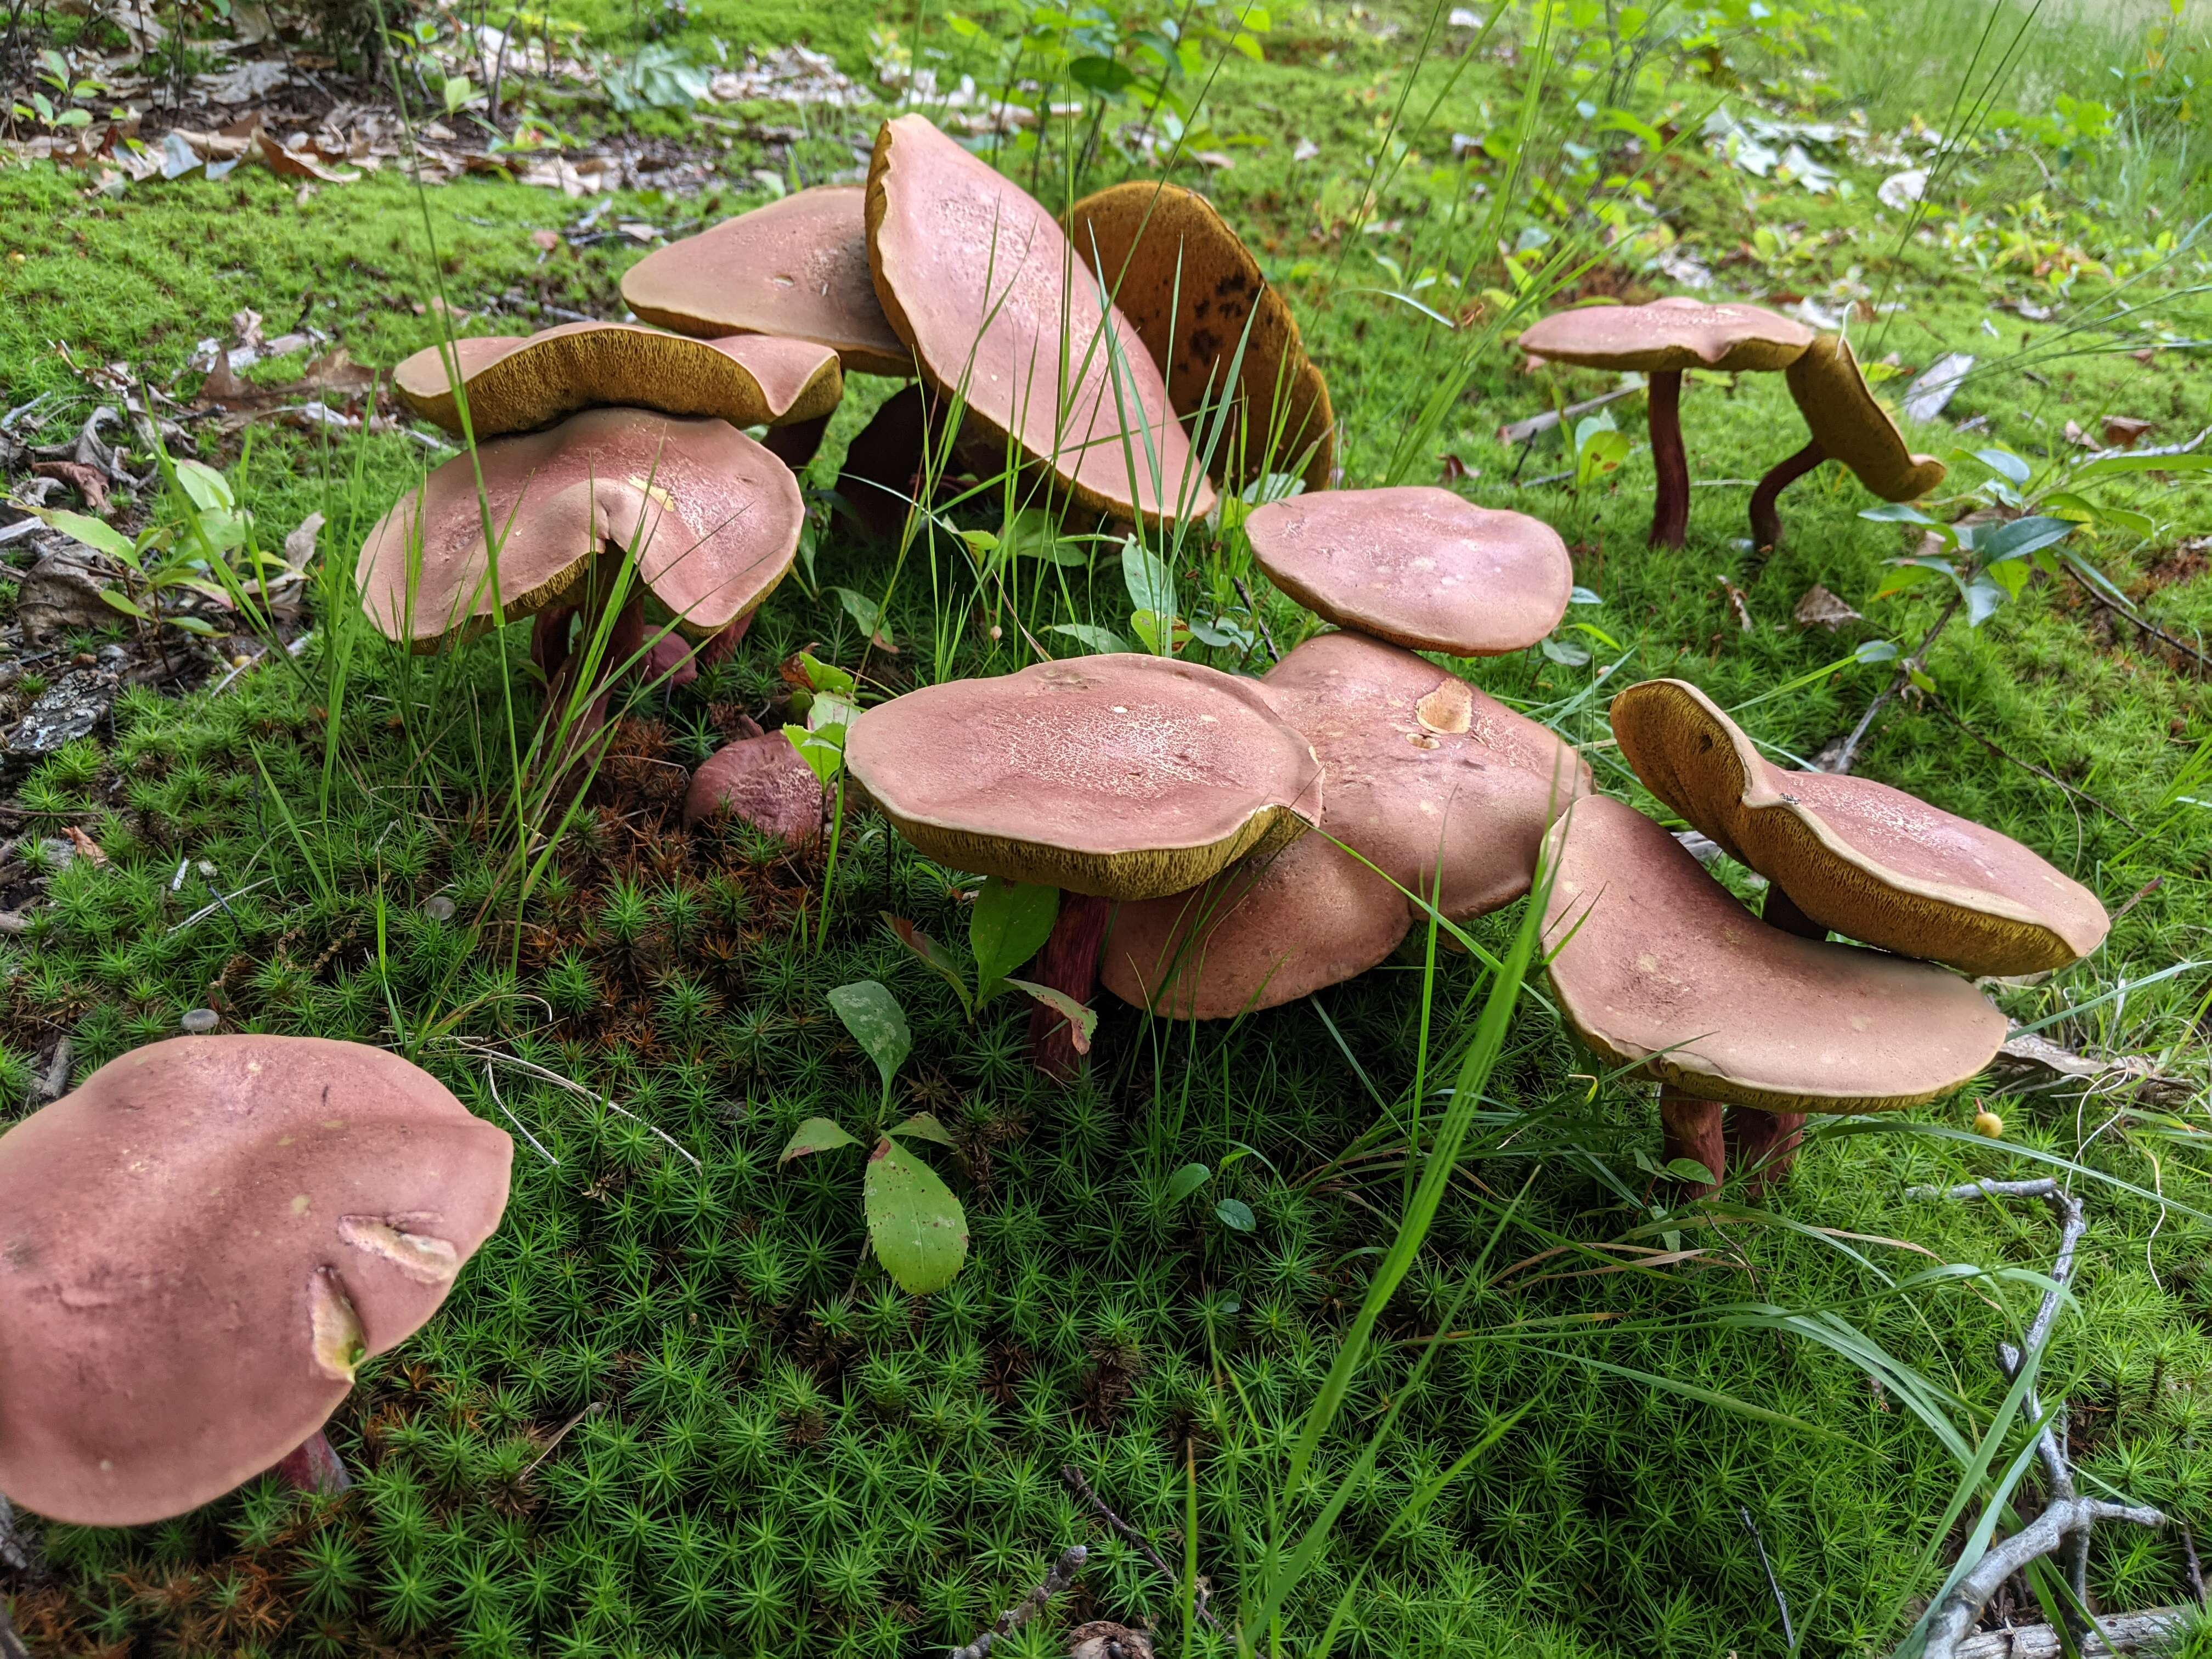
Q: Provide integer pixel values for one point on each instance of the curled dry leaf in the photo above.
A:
(1818, 608)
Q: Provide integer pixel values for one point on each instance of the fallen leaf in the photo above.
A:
(300, 545)
(87, 480)
(1451, 469)
(1818, 608)
(2074, 434)
(86, 847)
(548, 240)
(1742, 605)
(2125, 431)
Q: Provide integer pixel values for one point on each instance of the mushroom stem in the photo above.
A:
(1767, 500)
(1670, 511)
(883, 464)
(1068, 962)
(315, 1465)
(1692, 1130)
(1781, 911)
(1766, 1143)
(794, 443)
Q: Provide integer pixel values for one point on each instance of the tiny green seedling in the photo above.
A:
(1009, 925)
(916, 1226)
(1232, 1213)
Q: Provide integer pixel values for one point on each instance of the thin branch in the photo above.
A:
(1135, 1540)
(2040, 1537)
(1773, 1584)
(1061, 1575)
(1945, 711)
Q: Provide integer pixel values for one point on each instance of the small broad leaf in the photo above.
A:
(105, 537)
(817, 1134)
(919, 1231)
(2004, 462)
(1582, 596)
(1009, 925)
(1032, 534)
(209, 490)
(199, 625)
(1090, 636)
(1162, 635)
(824, 676)
(1186, 1181)
(1565, 653)
(932, 953)
(1873, 651)
(2112, 465)
(867, 616)
(1688, 1169)
(1984, 596)
(1897, 512)
(1082, 1021)
(1236, 1213)
(923, 1126)
(1150, 583)
(1107, 76)
(121, 601)
(2021, 536)
(822, 751)
(877, 1024)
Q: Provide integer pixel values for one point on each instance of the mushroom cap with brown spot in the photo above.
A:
(712, 517)
(1440, 789)
(981, 282)
(1187, 284)
(1669, 334)
(1417, 566)
(199, 1245)
(1124, 776)
(519, 385)
(798, 267)
(764, 782)
(1655, 965)
(1849, 423)
(1868, 862)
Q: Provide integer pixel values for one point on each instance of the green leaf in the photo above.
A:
(919, 1231)
(121, 601)
(877, 1024)
(1032, 534)
(2004, 462)
(1186, 1181)
(923, 1126)
(1085, 1021)
(104, 538)
(199, 625)
(823, 751)
(456, 92)
(1090, 636)
(1897, 512)
(1163, 635)
(1009, 925)
(1107, 76)
(207, 489)
(827, 676)
(1151, 583)
(935, 954)
(817, 1134)
(867, 616)
(2112, 465)
(2020, 537)
(1236, 1213)
(1689, 1170)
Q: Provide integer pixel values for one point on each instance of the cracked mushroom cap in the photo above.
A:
(1125, 777)
(200, 1244)
(1655, 965)
(1417, 566)
(713, 518)
(519, 385)
(797, 268)
(1849, 423)
(1871, 862)
(1421, 773)
(981, 282)
(1669, 334)
(1187, 284)
(764, 782)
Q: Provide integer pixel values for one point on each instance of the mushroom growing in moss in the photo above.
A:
(1663, 340)
(1848, 424)
(1196, 297)
(763, 781)
(1656, 965)
(199, 1246)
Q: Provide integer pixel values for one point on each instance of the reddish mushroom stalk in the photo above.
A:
(1692, 1128)
(1766, 1143)
(1670, 510)
(1767, 500)
(1068, 962)
(794, 443)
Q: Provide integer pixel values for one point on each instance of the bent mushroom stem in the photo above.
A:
(1767, 500)
(315, 1465)
(794, 443)
(1670, 511)
(1068, 962)
(1766, 1143)
(1692, 1130)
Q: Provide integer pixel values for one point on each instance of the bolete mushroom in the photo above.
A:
(514, 385)
(1112, 777)
(1657, 966)
(1440, 790)
(1662, 339)
(764, 782)
(1848, 424)
(1417, 566)
(1195, 295)
(980, 281)
(199, 1246)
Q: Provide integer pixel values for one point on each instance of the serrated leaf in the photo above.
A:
(1009, 925)
(1236, 1213)
(1186, 1181)
(1082, 1021)
(817, 1134)
(935, 954)
(916, 1225)
(925, 1126)
(877, 1024)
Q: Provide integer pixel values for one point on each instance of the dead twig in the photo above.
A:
(1839, 756)
(1948, 713)
(1135, 1540)
(2040, 1537)
(1773, 1584)
(1061, 1575)
(2135, 619)
(1520, 432)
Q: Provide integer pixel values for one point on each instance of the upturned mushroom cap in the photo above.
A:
(1850, 424)
(1442, 789)
(1655, 965)
(764, 782)
(798, 267)
(1124, 776)
(198, 1246)
(712, 519)
(519, 384)
(1669, 334)
(1871, 862)
(1186, 283)
(981, 281)
(1417, 566)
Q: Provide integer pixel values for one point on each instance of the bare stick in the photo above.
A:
(1847, 751)
(1945, 710)
(2042, 1536)
(1061, 1575)
(1773, 1584)
(1135, 1540)
(2125, 1632)
(1520, 432)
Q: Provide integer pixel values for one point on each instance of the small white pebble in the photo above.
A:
(440, 908)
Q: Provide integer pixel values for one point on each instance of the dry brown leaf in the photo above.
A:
(86, 847)
(1818, 608)
(548, 240)
(87, 480)
(2125, 431)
